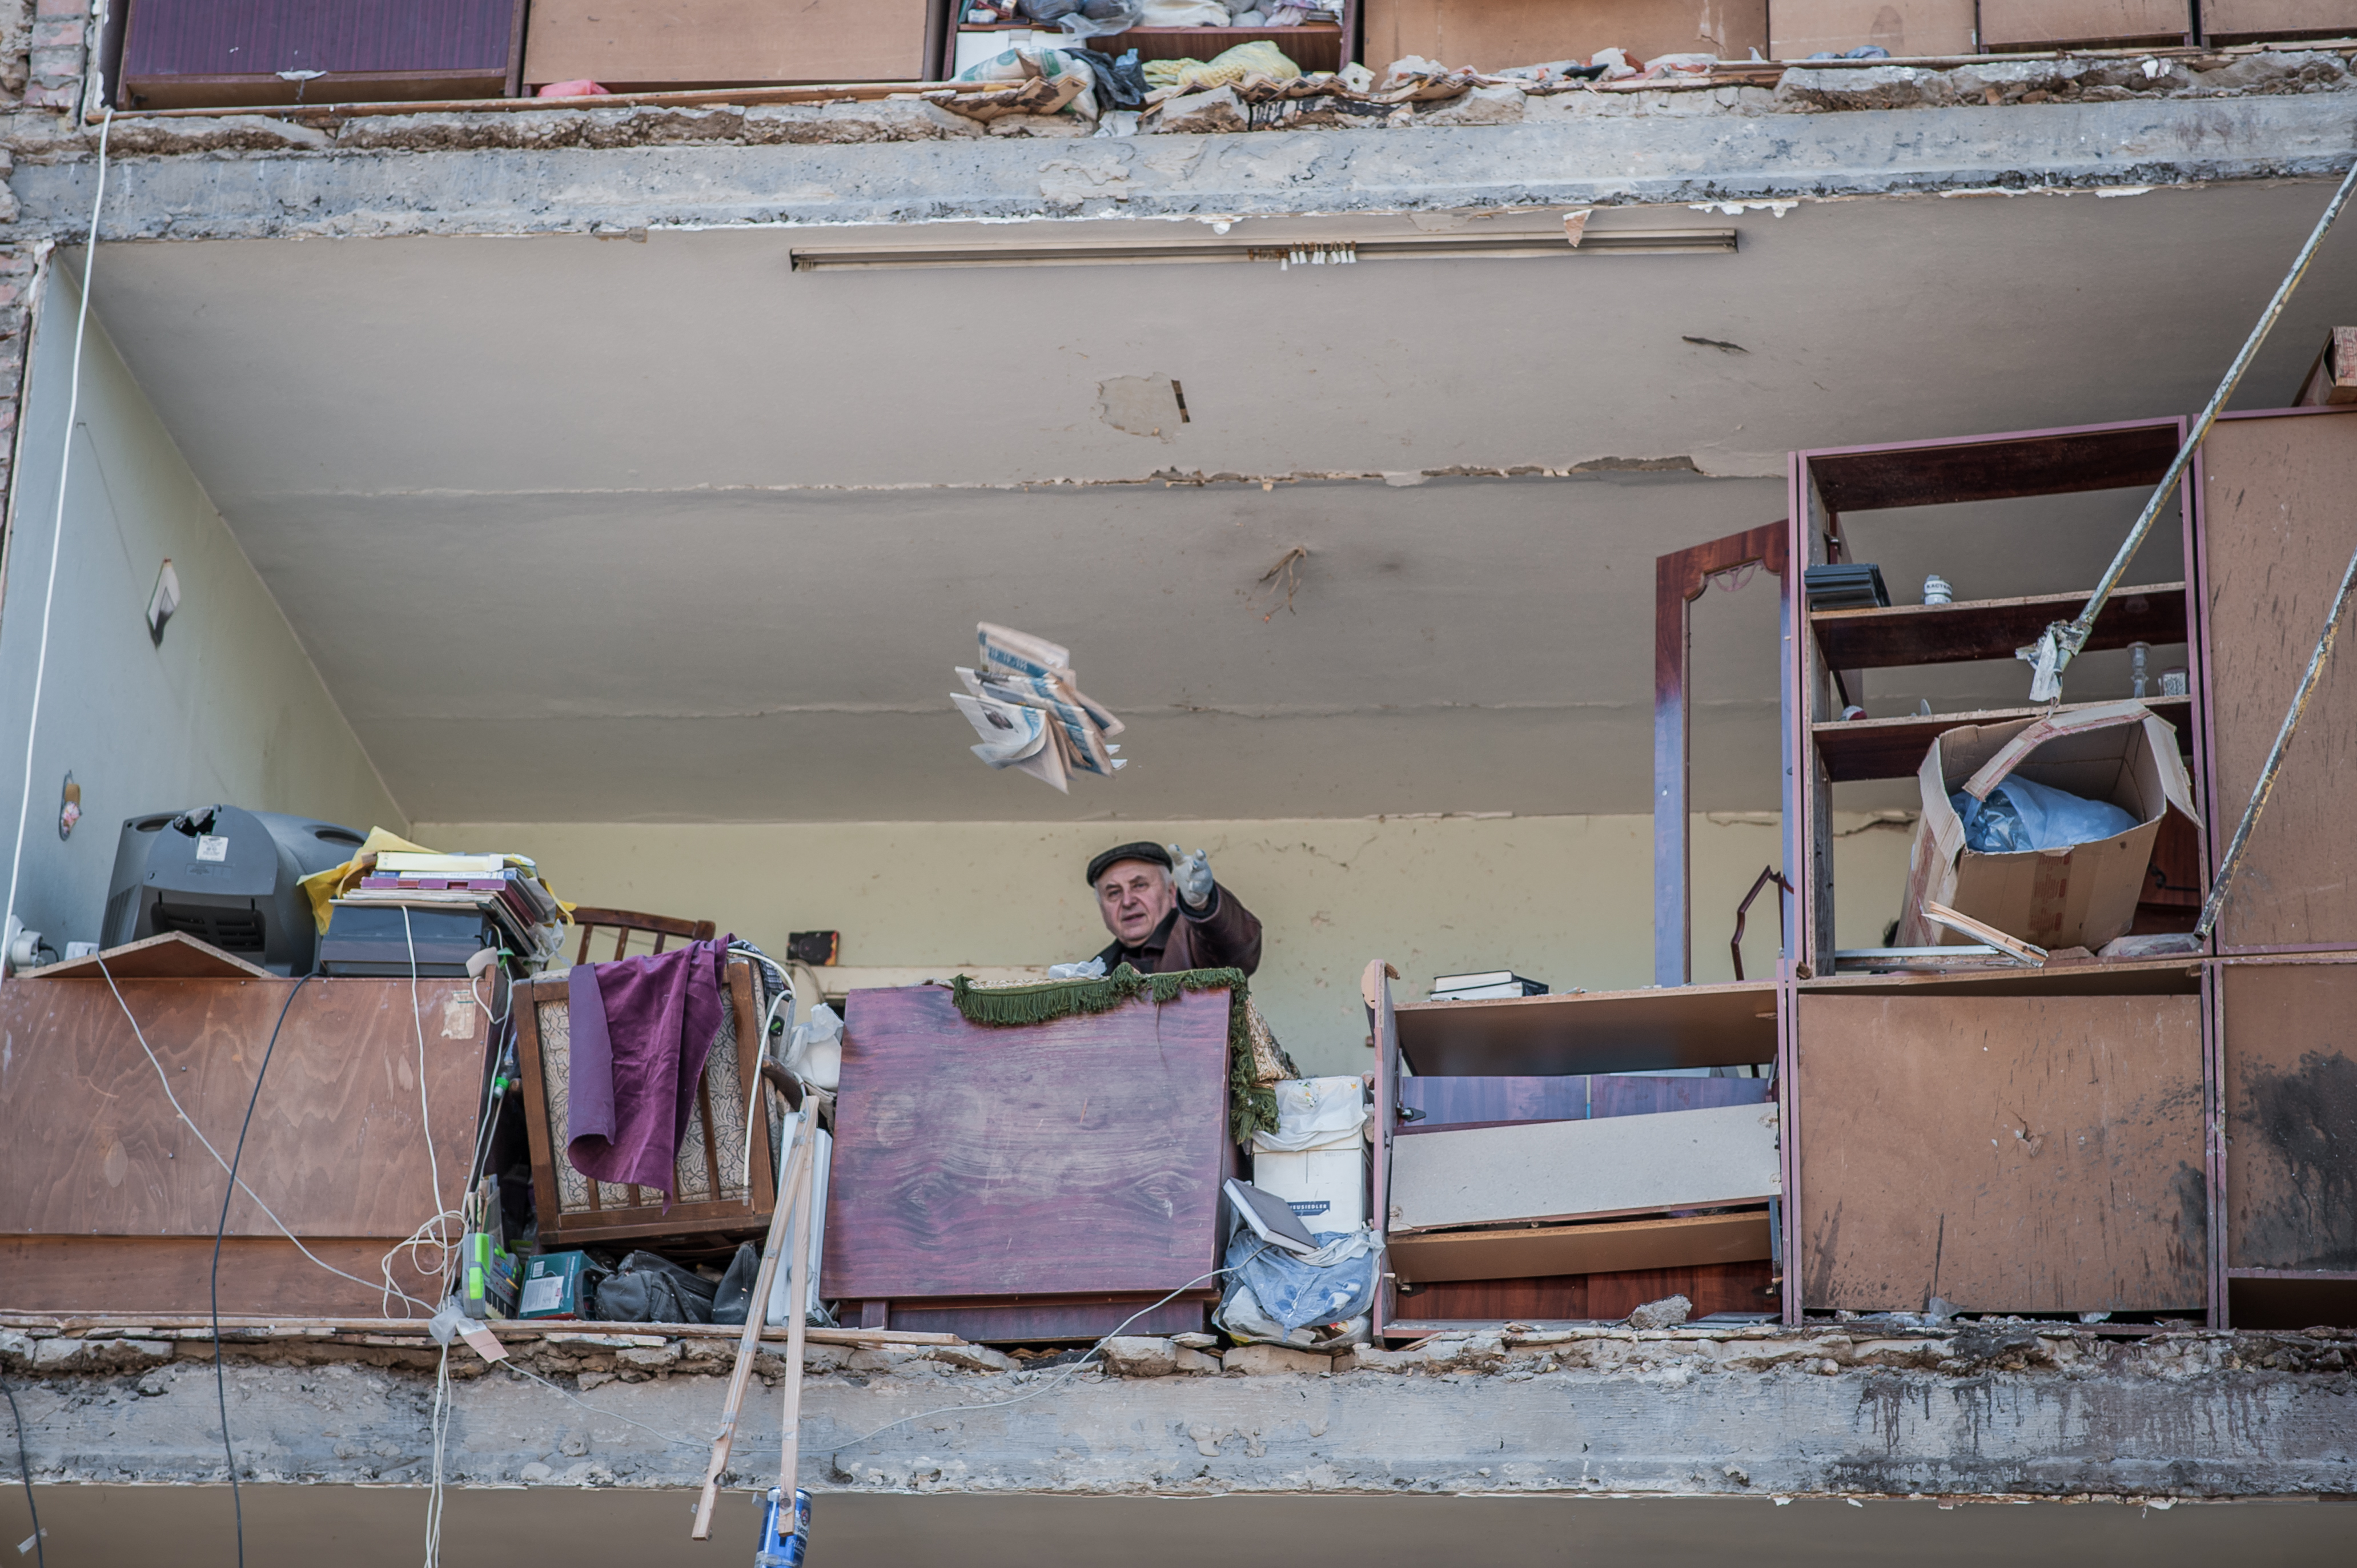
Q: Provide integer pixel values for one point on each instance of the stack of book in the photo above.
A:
(1845, 586)
(1482, 987)
(506, 888)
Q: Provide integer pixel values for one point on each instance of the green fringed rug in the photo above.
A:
(1251, 1106)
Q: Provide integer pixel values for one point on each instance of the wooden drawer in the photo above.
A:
(1555, 1170)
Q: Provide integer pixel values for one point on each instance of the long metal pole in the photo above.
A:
(2062, 641)
(2266, 784)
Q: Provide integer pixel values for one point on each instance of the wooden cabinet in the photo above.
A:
(2034, 1153)
(109, 1200)
(217, 53)
(2243, 21)
(1036, 1182)
(1907, 29)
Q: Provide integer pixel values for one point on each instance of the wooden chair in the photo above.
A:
(622, 922)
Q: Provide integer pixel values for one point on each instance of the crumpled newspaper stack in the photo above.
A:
(1027, 706)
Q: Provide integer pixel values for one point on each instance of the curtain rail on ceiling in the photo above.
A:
(1165, 252)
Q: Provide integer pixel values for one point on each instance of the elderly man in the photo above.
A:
(1166, 912)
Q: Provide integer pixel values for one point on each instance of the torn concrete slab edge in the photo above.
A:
(1981, 1408)
(1598, 160)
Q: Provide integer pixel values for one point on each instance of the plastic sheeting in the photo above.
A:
(1270, 1287)
(2022, 815)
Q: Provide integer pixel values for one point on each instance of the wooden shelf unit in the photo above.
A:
(1577, 1260)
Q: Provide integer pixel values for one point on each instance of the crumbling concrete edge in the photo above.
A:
(1618, 161)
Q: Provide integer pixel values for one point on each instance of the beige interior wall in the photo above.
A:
(1567, 901)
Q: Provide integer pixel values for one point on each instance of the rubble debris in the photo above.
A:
(1666, 1312)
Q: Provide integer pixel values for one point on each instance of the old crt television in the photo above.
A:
(226, 876)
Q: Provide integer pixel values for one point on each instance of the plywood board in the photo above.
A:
(1491, 34)
(624, 44)
(1080, 1157)
(2278, 531)
(1425, 1257)
(2230, 19)
(2042, 24)
(2015, 1153)
(167, 1275)
(88, 1144)
(2291, 1116)
(172, 956)
(1799, 28)
(1546, 1170)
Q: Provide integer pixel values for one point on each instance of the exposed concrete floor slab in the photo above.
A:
(305, 1526)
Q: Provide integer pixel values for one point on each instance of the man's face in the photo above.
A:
(1133, 895)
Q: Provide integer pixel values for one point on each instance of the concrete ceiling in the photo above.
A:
(587, 529)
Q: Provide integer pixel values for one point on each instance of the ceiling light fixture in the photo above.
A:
(1283, 252)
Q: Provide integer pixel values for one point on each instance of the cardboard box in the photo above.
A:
(2080, 897)
(1326, 1185)
(1799, 28)
(2235, 21)
(2032, 25)
(1491, 34)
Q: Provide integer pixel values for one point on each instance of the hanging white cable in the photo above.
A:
(56, 532)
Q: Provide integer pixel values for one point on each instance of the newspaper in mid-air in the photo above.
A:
(1028, 707)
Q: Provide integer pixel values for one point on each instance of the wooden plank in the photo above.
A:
(172, 956)
(1903, 634)
(1893, 748)
(1455, 1306)
(628, 44)
(1031, 1322)
(140, 1278)
(2008, 25)
(1077, 1156)
(88, 1144)
(1548, 1170)
(2008, 1154)
(2237, 21)
(1428, 1257)
(1994, 467)
(2140, 977)
(2291, 1116)
(1907, 29)
(2279, 534)
(1602, 1031)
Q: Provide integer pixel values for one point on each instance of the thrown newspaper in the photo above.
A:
(1028, 707)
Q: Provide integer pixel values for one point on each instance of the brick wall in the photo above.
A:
(49, 76)
(16, 264)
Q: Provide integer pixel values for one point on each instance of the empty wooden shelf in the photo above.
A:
(1856, 749)
(1552, 1170)
(1590, 1031)
(1899, 635)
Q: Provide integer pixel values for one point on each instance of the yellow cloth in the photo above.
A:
(1258, 57)
(326, 886)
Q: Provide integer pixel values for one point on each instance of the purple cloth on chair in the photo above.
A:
(640, 1029)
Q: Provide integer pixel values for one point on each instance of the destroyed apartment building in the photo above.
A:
(1034, 782)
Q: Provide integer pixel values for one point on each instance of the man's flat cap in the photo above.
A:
(1140, 851)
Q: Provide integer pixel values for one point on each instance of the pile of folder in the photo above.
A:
(1026, 704)
(504, 889)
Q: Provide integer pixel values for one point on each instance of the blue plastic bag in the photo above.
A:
(2022, 815)
(1296, 1292)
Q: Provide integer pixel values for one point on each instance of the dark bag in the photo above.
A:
(648, 1289)
(732, 1301)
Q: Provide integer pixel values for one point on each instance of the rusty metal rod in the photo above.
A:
(2266, 784)
(2069, 637)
